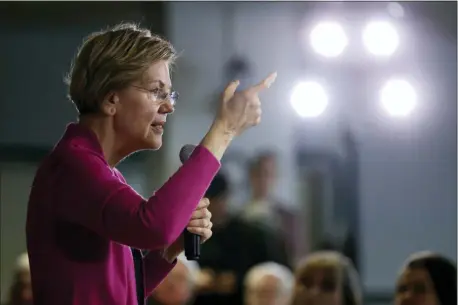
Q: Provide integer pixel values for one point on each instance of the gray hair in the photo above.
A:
(256, 273)
(193, 268)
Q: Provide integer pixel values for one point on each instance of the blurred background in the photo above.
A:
(359, 128)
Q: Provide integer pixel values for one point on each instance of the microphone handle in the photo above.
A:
(191, 246)
(191, 241)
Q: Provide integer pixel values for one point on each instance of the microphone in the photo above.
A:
(191, 241)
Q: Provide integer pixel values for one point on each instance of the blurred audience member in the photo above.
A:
(327, 278)
(268, 284)
(21, 290)
(234, 248)
(264, 209)
(179, 285)
(427, 279)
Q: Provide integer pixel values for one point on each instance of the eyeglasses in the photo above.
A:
(159, 94)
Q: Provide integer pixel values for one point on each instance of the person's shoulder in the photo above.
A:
(73, 158)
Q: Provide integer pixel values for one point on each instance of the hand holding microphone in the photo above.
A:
(200, 223)
(197, 231)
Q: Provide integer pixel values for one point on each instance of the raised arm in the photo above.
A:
(106, 205)
(110, 207)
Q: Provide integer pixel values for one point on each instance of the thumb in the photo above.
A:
(230, 90)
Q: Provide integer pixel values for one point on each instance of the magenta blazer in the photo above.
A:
(83, 218)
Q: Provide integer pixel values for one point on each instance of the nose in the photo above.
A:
(166, 108)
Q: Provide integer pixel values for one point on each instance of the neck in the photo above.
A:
(103, 129)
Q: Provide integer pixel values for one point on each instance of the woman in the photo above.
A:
(83, 219)
(327, 278)
(427, 279)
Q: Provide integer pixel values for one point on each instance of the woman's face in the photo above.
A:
(139, 112)
(415, 287)
(317, 286)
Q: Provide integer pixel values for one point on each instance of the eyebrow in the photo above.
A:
(161, 84)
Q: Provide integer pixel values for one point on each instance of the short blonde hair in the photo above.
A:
(111, 60)
(349, 277)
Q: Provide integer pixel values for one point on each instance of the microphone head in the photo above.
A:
(186, 152)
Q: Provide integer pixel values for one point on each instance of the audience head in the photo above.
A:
(178, 287)
(268, 284)
(218, 193)
(327, 278)
(21, 290)
(120, 77)
(427, 279)
(263, 174)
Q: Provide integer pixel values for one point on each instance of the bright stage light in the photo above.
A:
(328, 39)
(309, 99)
(380, 38)
(398, 98)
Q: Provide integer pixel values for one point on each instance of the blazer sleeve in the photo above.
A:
(97, 199)
(155, 269)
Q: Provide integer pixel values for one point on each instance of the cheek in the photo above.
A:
(138, 119)
(143, 114)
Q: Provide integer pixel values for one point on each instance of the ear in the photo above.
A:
(110, 104)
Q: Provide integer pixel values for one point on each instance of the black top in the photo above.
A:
(237, 247)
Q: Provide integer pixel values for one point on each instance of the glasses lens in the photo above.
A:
(174, 97)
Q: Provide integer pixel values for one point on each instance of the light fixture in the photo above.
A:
(309, 99)
(328, 39)
(398, 98)
(381, 38)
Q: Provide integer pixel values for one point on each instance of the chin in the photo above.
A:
(153, 144)
(150, 146)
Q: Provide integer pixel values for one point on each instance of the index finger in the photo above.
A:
(265, 83)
